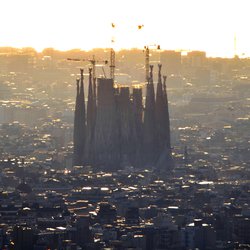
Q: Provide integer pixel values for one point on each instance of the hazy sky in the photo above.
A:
(208, 25)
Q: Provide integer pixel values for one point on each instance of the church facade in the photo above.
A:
(117, 128)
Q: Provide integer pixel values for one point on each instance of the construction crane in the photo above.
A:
(147, 54)
(112, 64)
(146, 50)
(112, 56)
(112, 51)
(93, 62)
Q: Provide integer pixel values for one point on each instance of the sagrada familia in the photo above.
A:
(119, 129)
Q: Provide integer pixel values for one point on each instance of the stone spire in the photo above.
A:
(165, 161)
(77, 150)
(94, 99)
(166, 112)
(90, 122)
(137, 113)
(160, 112)
(82, 119)
(149, 128)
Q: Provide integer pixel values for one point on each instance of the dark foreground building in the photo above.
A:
(119, 130)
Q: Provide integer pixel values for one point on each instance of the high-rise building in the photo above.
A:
(196, 58)
(172, 61)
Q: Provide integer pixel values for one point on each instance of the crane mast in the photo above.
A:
(112, 64)
(112, 55)
(146, 63)
(146, 50)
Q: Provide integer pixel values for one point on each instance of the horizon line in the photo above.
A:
(182, 51)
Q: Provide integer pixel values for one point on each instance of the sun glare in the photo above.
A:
(192, 25)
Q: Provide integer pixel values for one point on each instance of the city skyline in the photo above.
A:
(158, 159)
(217, 27)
